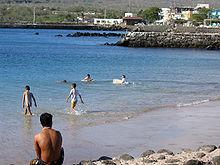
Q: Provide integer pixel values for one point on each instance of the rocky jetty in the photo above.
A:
(89, 34)
(210, 41)
(62, 26)
(204, 155)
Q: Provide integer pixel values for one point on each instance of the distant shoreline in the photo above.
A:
(62, 26)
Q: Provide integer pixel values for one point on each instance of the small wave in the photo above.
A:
(193, 103)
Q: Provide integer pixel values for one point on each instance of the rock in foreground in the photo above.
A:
(205, 155)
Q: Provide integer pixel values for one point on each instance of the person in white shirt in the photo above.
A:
(73, 94)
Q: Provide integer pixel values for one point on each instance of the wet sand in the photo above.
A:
(174, 129)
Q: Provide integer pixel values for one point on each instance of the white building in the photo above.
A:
(101, 21)
(200, 6)
(128, 14)
(186, 15)
(165, 15)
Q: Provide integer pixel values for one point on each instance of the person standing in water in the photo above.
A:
(27, 100)
(73, 94)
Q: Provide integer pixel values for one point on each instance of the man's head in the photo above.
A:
(46, 120)
(88, 75)
(27, 87)
(73, 85)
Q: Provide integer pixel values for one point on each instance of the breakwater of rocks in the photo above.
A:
(210, 41)
(204, 155)
(90, 34)
(62, 26)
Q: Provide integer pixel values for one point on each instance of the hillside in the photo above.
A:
(128, 5)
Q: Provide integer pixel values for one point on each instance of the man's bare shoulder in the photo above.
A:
(57, 132)
(36, 137)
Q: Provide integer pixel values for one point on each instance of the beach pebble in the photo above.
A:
(193, 162)
(216, 160)
(200, 154)
(149, 161)
(172, 160)
(86, 162)
(126, 157)
(207, 148)
(161, 157)
(108, 162)
(165, 151)
(147, 153)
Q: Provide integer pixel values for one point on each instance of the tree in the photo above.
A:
(151, 14)
(201, 15)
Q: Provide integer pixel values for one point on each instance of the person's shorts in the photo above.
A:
(73, 104)
(37, 162)
(41, 162)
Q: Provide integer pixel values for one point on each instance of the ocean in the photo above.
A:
(157, 77)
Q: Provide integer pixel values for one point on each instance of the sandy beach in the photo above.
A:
(174, 129)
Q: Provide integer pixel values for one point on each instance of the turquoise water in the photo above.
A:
(159, 77)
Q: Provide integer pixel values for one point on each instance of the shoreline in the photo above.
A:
(173, 129)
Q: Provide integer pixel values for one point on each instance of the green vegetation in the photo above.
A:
(199, 17)
(15, 13)
(24, 13)
(151, 14)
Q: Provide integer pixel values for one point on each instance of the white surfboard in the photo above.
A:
(117, 81)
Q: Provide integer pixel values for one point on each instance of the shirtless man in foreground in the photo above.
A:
(48, 144)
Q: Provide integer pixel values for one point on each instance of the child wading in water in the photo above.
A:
(73, 94)
(27, 100)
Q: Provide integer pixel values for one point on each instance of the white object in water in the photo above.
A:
(83, 80)
(119, 81)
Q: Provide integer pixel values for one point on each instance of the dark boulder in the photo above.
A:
(104, 158)
(161, 157)
(193, 162)
(59, 35)
(147, 153)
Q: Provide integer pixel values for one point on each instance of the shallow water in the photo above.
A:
(159, 78)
